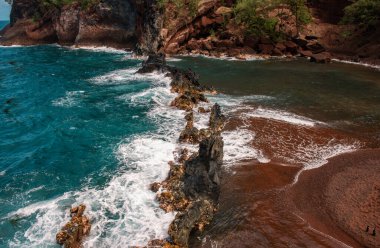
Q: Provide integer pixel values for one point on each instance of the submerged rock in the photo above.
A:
(74, 231)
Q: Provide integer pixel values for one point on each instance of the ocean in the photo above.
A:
(79, 126)
(3, 24)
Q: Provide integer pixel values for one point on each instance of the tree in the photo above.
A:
(365, 13)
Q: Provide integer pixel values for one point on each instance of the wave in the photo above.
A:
(129, 75)
(99, 49)
(282, 116)
(357, 63)
(70, 99)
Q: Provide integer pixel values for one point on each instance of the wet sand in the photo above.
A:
(254, 212)
(342, 197)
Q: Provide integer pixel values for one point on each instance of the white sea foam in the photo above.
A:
(281, 116)
(2, 173)
(124, 212)
(100, 49)
(238, 147)
(128, 75)
(357, 63)
(69, 100)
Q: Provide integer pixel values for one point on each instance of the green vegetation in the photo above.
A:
(181, 5)
(365, 13)
(255, 15)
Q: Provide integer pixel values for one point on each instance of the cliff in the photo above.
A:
(129, 24)
(208, 27)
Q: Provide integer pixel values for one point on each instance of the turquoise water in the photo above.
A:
(78, 126)
(69, 135)
(3, 24)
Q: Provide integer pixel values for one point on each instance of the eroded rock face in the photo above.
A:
(75, 230)
(67, 24)
(129, 24)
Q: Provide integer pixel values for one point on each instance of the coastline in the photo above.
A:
(347, 59)
(253, 195)
(342, 197)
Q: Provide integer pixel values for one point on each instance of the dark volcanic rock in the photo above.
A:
(217, 119)
(202, 173)
(197, 216)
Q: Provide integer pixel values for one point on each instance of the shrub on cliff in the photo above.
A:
(254, 15)
(365, 13)
(257, 18)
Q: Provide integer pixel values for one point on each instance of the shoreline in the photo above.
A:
(344, 193)
(242, 57)
(260, 205)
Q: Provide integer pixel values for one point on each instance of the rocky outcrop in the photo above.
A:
(75, 230)
(129, 24)
(193, 184)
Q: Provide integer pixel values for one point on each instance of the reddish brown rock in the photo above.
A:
(206, 21)
(315, 47)
(72, 234)
(321, 58)
(277, 52)
(280, 46)
(305, 53)
(266, 48)
(291, 47)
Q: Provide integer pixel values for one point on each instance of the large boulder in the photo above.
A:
(322, 58)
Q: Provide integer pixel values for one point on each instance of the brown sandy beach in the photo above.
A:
(343, 197)
(328, 207)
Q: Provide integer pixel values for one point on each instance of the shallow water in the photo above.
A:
(283, 114)
(79, 126)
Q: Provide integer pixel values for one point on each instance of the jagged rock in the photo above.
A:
(305, 53)
(199, 214)
(155, 62)
(277, 52)
(202, 173)
(203, 110)
(280, 46)
(291, 47)
(300, 42)
(155, 187)
(266, 48)
(189, 135)
(322, 58)
(315, 47)
(74, 231)
(217, 119)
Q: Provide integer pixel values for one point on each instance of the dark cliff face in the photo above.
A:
(23, 9)
(130, 24)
